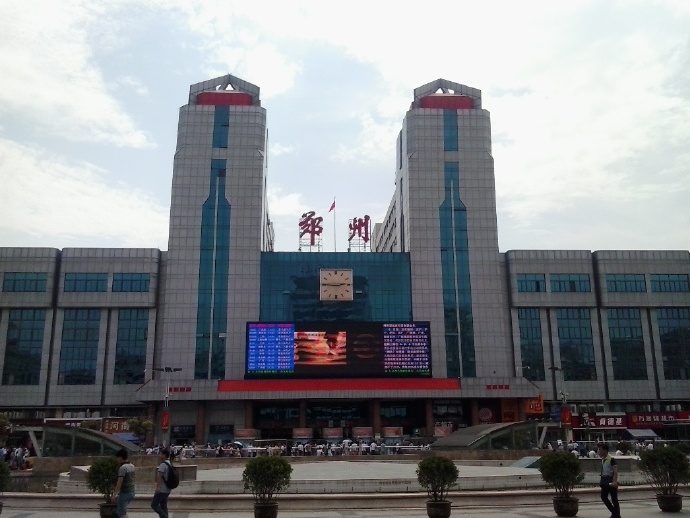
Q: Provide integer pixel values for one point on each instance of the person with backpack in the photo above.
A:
(166, 480)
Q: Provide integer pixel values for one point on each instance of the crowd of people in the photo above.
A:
(17, 458)
(295, 448)
(590, 451)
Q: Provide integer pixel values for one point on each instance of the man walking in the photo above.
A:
(609, 480)
(160, 497)
(124, 488)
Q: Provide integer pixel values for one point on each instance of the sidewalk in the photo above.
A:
(630, 509)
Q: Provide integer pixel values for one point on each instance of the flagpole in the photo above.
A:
(335, 246)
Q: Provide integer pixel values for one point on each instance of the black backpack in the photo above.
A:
(173, 479)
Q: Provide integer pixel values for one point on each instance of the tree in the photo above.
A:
(140, 426)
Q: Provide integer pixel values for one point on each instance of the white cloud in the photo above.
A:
(50, 78)
(281, 204)
(53, 199)
(134, 84)
(282, 149)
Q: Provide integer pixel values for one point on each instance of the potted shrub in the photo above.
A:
(437, 475)
(265, 477)
(5, 478)
(101, 478)
(562, 471)
(666, 468)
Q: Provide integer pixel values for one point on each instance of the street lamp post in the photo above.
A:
(562, 398)
(166, 397)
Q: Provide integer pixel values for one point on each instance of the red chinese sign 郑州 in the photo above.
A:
(359, 227)
(311, 225)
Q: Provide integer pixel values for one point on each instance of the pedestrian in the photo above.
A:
(609, 480)
(160, 497)
(124, 488)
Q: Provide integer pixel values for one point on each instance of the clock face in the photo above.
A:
(335, 285)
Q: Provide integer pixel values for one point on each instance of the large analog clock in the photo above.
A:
(335, 284)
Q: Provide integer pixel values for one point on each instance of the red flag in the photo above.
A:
(332, 206)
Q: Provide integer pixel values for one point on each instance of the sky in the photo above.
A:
(589, 102)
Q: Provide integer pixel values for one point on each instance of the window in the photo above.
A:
(625, 283)
(531, 282)
(455, 278)
(674, 334)
(531, 348)
(24, 282)
(627, 344)
(450, 130)
(576, 344)
(91, 282)
(24, 347)
(669, 283)
(221, 127)
(131, 282)
(569, 282)
(79, 350)
(130, 350)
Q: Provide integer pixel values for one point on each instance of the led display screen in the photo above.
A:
(343, 350)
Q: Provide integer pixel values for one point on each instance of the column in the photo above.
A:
(429, 417)
(200, 436)
(302, 413)
(249, 414)
(375, 409)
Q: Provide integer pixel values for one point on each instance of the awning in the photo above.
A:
(640, 434)
(128, 437)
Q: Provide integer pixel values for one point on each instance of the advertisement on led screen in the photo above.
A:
(345, 350)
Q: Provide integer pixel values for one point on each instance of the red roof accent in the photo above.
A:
(224, 98)
(338, 384)
(447, 102)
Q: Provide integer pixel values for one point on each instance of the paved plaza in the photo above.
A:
(631, 509)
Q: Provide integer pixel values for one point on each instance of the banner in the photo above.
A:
(332, 433)
(302, 433)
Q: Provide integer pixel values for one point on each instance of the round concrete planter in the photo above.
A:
(269, 510)
(566, 505)
(438, 509)
(670, 503)
(107, 510)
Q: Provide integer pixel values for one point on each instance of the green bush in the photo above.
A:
(665, 468)
(266, 476)
(5, 477)
(562, 471)
(437, 475)
(102, 477)
(683, 446)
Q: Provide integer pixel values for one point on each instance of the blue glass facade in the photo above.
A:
(674, 332)
(22, 282)
(24, 344)
(450, 130)
(221, 126)
(130, 350)
(576, 344)
(214, 267)
(290, 287)
(455, 271)
(627, 344)
(79, 349)
(531, 348)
